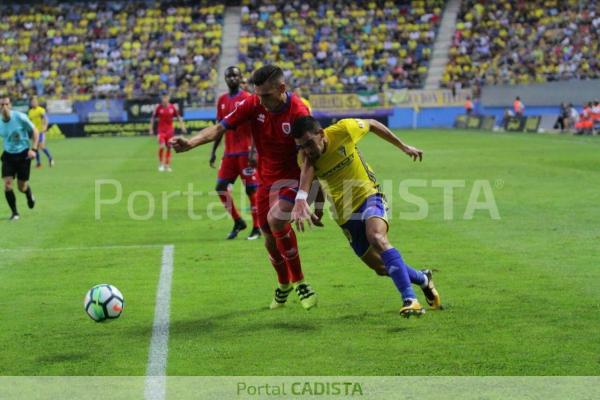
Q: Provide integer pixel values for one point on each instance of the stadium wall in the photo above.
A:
(543, 94)
(430, 117)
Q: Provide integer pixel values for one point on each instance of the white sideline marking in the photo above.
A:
(76, 248)
(156, 381)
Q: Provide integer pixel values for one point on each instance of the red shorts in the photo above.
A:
(266, 197)
(585, 124)
(233, 166)
(163, 138)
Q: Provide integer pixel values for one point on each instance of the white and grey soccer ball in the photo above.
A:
(103, 303)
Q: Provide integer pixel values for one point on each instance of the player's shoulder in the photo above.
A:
(19, 114)
(347, 126)
(223, 97)
(250, 100)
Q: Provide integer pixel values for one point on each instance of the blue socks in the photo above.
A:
(402, 274)
(37, 156)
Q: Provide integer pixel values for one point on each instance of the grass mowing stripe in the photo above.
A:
(79, 248)
(155, 387)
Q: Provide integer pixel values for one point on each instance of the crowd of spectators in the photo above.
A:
(114, 49)
(521, 42)
(329, 46)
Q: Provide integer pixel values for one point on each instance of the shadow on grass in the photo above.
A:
(201, 326)
(62, 357)
(291, 327)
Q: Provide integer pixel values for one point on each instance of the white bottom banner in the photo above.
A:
(300, 387)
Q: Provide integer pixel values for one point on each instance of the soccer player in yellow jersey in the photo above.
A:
(298, 92)
(37, 115)
(359, 206)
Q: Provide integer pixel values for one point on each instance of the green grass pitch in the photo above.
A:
(521, 292)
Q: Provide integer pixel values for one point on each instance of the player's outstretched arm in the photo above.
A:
(206, 135)
(34, 143)
(386, 134)
(213, 152)
(301, 211)
(252, 154)
(182, 124)
(44, 123)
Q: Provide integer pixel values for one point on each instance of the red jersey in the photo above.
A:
(165, 117)
(238, 141)
(272, 136)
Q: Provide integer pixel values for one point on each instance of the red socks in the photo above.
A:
(227, 201)
(280, 267)
(253, 210)
(288, 247)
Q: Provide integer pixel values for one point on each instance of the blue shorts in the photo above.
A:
(42, 138)
(355, 228)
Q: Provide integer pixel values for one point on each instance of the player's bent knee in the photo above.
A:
(379, 241)
(221, 186)
(275, 222)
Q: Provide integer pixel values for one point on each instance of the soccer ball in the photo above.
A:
(103, 303)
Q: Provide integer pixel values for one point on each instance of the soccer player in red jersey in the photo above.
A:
(235, 157)
(272, 111)
(165, 112)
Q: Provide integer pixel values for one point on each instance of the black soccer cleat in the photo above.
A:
(431, 294)
(255, 234)
(239, 225)
(31, 202)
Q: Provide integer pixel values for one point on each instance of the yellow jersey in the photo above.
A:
(341, 170)
(36, 115)
(307, 104)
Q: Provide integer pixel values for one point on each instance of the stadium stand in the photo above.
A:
(110, 49)
(329, 46)
(521, 42)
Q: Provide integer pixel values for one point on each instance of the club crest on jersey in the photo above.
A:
(261, 118)
(286, 127)
(342, 151)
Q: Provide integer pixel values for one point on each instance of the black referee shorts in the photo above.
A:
(16, 165)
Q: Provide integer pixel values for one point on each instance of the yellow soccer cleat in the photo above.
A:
(280, 297)
(411, 307)
(307, 296)
(431, 294)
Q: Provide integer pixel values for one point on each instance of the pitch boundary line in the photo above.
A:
(155, 387)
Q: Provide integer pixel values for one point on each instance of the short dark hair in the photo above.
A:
(233, 68)
(303, 125)
(266, 74)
